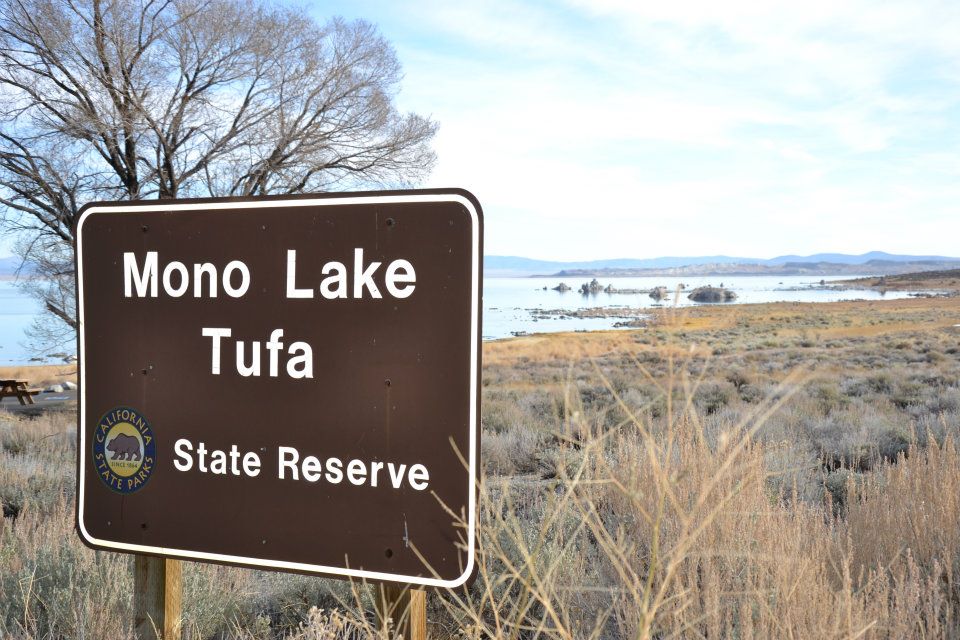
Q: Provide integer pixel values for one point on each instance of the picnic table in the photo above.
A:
(17, 389)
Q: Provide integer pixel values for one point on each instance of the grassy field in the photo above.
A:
(746, 471)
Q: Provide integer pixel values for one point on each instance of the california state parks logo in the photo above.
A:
(124, 451)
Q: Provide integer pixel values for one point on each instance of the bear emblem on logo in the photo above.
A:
(124, 447)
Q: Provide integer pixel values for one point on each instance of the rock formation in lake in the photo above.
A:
(712, 294)
(611, 289)
(562, 287)
(659, 293)
(591, 287)
(594, 287)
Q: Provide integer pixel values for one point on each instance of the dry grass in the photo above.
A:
(709, 325)
(776, 471)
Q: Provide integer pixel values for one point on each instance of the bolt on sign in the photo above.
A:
(286, 383)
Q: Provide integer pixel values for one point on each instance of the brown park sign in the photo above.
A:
(286, 383)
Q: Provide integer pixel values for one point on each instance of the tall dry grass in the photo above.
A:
(654, 530)
(665, 497)
(40, 375)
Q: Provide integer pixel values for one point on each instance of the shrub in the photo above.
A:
(511, 452)
(712, 396)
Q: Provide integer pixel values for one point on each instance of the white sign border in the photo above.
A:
(453, 196)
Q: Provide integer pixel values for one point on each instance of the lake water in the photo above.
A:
(17, 312)
(512, 304)
(507, 302)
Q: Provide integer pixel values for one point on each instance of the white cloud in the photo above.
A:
(619, 128)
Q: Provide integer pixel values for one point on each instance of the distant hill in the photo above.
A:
(518, 266)
(514, 265)
(10, 265)
(820, 262)
(864, 258)
(815, 269)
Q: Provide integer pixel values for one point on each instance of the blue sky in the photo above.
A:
(617, 128)
(611, 128)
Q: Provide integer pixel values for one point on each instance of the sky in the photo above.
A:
(596, 129)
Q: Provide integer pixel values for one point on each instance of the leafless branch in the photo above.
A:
(133, 99)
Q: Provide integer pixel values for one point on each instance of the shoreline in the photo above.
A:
(724, 313)
(706, 325)
(940, 281)
(863, 318)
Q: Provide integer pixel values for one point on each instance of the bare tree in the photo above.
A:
(134, 99)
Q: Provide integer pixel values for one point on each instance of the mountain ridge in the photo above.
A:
(518, 265)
